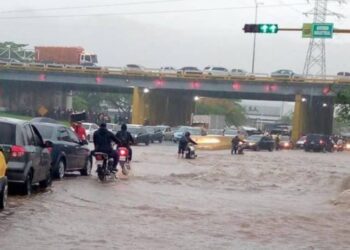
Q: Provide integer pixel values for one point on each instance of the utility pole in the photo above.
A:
(315, 61)
(254, 42)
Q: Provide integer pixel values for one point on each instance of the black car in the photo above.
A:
(28, 158)
(155, 133)
(139, 134)
(318, 143)
(68, 152)
(259, 142)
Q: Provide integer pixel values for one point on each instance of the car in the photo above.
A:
(3, 181)
(343, 74)
(139, 134)
(259, 142)
(230, 132)
(182, 129)
(167, 131)
(241, 73)
(155, 133)
(28, 158)
(286, 74)
(189, 71)
(285, 142)
(215, 71)
(134, 69)
(68, 152)
(300, 143)
(318, 143)
(114, 128)
(168, 70)
(90, 130)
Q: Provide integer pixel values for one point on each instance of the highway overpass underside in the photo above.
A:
(161, 107)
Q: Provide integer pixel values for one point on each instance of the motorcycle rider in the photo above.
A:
(103, 139)
(185, 139)
(125, 139)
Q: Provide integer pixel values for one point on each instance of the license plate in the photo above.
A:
(122, 158)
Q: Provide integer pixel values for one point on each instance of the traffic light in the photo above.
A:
(261, 28)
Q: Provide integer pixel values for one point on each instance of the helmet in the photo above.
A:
(103, 125)
(123, 127)
(187, 134)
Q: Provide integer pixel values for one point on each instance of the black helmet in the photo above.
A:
(103, 125)
(187, 134)
(123, 127)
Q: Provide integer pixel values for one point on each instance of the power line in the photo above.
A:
(92, 6)
(150, 12)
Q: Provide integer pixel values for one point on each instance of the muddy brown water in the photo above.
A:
(261, 200)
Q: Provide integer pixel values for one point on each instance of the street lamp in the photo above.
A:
(254, 43)
(303, 99)
(145, 90)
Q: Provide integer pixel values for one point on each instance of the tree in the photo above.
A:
(343, 105)
(231, 109)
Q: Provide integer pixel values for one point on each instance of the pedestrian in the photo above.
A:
(235, 143)
(277, 142)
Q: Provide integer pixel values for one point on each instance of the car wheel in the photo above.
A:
(271, 149)
(3, 196)
(47, 182)
(257, 148)
(87, 169)
(147, 143)
(161, 140)
(27, 186)
(61, 168)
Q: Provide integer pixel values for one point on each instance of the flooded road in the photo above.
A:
(261, 200)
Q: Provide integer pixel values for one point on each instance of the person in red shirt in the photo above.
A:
(80, 131)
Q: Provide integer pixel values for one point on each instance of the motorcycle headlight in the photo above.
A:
(347, 146)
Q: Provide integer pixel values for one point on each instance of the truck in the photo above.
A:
(64, 55)
(209, 121)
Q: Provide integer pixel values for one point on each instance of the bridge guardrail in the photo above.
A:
(152, 72)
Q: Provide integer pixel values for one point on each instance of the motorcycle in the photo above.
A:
(190, 152)
(104, 166)
(238, 148)
(124, 160)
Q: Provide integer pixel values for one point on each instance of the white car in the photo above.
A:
(240, 73)
(90, 130)
(189, 71)
(215, 71)
(134, 69)
(168, 70)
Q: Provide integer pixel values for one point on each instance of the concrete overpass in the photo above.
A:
(171, 96)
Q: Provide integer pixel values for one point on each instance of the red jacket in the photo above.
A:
(81, 132)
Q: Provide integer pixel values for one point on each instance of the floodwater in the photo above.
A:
(259, 200)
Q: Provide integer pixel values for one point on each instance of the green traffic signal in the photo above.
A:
(268, 28)
(261, 28)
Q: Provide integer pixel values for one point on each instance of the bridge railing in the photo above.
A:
(158, 73)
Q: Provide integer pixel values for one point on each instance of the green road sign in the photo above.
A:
(322, 30)
(307, 30)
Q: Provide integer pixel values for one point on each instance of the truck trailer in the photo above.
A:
(64, 55)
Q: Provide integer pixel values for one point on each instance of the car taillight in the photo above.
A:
(321, 142)
(99, 157)
(17, 151)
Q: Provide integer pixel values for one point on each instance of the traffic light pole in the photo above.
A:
(344, 31)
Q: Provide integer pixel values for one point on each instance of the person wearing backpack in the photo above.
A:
(125, 139)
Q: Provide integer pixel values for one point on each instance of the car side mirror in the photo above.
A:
(48, 144)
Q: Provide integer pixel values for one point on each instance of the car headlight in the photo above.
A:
(251, 143)
(347, 146)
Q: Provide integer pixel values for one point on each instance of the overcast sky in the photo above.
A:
(187, 37)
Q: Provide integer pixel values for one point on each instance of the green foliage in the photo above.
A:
(343, 105)
(232, 110)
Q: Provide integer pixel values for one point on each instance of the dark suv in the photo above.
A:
(318, 143)
(28, 158)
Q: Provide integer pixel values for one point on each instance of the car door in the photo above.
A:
(81, 153)
(34, 153)
(67, 146)
(45, 154)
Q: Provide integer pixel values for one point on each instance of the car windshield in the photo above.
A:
(231, 132)
(134, 130)
(45, 131)
(190, 68)
(254, 137)
(219, 69)
(215, 132)
(7, 133)
(86, 126)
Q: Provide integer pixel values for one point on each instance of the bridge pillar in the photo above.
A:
(161, 107)
(299, 119)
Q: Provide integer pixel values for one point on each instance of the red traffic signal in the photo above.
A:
(251, 28)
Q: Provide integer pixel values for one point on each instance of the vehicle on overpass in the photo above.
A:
(3, 181)
(215, 71)
(286, 74)
(134, 69)
(260, 142)
(189, 71)
(64, 55)
(168, 70)
(28, 158)
(68, 152)
(240, 73)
